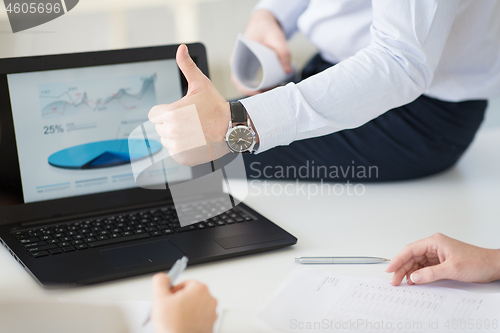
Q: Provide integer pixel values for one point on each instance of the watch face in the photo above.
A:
(240, 139)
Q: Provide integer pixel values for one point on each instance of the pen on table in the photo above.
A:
(341, 260)
(173, 273)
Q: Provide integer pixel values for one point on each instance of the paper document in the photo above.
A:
(317, 301)
(251, 58)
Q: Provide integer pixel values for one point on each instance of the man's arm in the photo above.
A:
(408, 38)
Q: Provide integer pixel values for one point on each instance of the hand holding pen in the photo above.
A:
(174, 272)
(185, 307)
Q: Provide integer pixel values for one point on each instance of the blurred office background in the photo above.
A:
(113, 24)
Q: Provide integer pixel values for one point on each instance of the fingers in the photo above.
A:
(414, 257)
(192, 285)
(284, 54)
(161, 285)
(178, 287)
(403, 271)
(410, 251)
(162, 113)
(187, 286)
(431, 274)
(243, 90)
(411, 266)
(188, 66)
(264, 28)
(155, 115)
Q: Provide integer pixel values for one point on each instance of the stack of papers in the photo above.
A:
(251, 58)
(316, 301)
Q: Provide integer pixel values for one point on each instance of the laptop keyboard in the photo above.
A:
(91, 233)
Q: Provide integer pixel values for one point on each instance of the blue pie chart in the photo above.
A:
(103, 154)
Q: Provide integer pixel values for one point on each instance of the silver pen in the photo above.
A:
(174, 272)
(341, 260)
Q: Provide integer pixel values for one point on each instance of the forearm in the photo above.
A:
(345, 96)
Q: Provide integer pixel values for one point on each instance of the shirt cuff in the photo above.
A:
(287, 12)
(273, 117)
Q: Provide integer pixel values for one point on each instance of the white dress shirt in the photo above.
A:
(389, 52)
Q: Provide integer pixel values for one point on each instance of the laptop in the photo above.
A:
(70, 210)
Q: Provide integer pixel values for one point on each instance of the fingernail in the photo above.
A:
(415, 277)
(186, 51)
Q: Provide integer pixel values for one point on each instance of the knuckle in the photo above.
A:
(198, 286)
(171, 132)
(201, 285)
(438, 235)
(168, 117)
(160, 130)
(156, 111)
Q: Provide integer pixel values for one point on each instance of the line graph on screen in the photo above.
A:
(65, 99)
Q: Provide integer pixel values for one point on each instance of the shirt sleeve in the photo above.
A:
(287, 12)
(407, 40)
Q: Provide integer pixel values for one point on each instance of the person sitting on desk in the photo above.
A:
(189, 307)
(406, 95)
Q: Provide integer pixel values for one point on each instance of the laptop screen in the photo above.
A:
(72, 125)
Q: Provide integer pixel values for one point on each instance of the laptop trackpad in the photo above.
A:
(230, 242)
(159, 252)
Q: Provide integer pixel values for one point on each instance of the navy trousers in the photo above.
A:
(421, 138)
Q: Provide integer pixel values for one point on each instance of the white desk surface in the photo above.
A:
(462, 203)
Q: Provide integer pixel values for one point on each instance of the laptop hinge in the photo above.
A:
(65, 218)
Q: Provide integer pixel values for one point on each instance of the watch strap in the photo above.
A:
(238, 112)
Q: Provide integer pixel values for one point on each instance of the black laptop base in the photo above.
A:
(202, 242)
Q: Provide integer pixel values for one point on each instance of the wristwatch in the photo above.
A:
(240, 137)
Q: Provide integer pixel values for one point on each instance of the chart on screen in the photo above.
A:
(63, 99)
(102, 154)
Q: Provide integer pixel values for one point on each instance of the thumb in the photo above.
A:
(188, 66)
(161, 285)
(431, 274)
